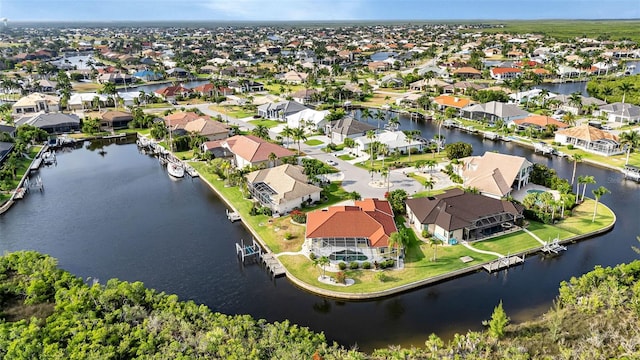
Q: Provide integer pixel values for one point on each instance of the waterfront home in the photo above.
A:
(47, 86)
(424, 84)
(568, 105)
(500, 73)
(55, 123)
(304, 96)
(620, 112)
(178, 72)
(493, 111)
(148, 75)
(347, 127)
(456, 216)
(179, 119)
(539, 122)
(249, 150)
(280, 110)
(358, 232)
(207, 128)
(394, 140)
(111, 120)
(308, 117)
(11, 130)
(115, 78)
(282, 188)
(447, 101)
(495, 175)
(293, 77)
(36, 102)
(467, 72)
(209, 89)
(590, 139)
(246, 86)
(81, 101)
(461, 87)
(217, 150)
(170, 93)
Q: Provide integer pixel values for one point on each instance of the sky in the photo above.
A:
(307, 10)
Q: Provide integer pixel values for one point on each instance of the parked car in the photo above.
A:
(332, 163)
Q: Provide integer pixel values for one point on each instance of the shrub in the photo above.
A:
(354, 265)
(342, 265)
(312, 256)
(298, 216)
(570, 147)
(265, 211)
(387, 263)
(288, 236)
(382, 277)
(341, 277)
(425, 233)
(366, 265)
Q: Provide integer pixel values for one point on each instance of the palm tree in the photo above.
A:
(631, 139)
(323, 261)
(385, 175)
(431, 164)
(371, 134)
(576, 159)
(365, 114)
(287, 132)
(299, 135)
(109, 88)
(428, 184)
(576, 99)
(606, 91)
(409, 139)
(625, 88)
(396, 240)
(434, 242)
(261, 131)
(544, 94)
(586, 180)
(598, 193)
(393, 124)
(379, 116)
(272, 159)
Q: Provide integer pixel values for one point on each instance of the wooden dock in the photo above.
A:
(503, 263)
(273, 265)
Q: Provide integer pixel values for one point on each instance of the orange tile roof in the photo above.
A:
(255, 149)
(180, 119)
(541, 121)
(452, 101)
(369, 218)
(540, 71)
(505, 70)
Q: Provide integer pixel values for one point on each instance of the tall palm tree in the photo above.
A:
(631, 139)
(261, 131)
(379, 116)
(625, 87)
(576, 159)
(409, 139)
(287, 132)
(272, 159)
(322, 261)
(575, 99)
(371, 134)
(434, 242)
(393, 124)
(544, 94)
(428, 184)
(299, 135)
(365, 114)
(598, 193)
(395, 240)
(431, 164)
(586, 180)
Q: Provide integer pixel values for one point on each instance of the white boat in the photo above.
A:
(175, 170)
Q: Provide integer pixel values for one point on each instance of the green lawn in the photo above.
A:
(268, 123)
(346, 157)
(313, 142)
(22, 168)
(401, 161)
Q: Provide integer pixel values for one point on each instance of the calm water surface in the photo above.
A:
(117, 213)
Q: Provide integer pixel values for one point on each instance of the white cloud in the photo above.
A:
(287, 9)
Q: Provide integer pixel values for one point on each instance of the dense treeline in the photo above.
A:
(48, 313)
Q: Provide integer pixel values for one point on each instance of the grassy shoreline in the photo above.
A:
(419, 267)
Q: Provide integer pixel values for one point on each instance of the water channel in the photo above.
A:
(116, 213)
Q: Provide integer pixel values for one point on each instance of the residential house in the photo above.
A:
(346, 233)
(170, 93)
(394, 140)
(539, 122)
(47, 86)
(282, 188)
(500, 73)
(567, 105)
(246, 86)
(251, 150)
(494, 174)
(217, 150)
(422, 85)
(5, 150)
(448, 101)
(115, 78)
(11, 130)
(467, 73)
(408, 99)
(590, 139)
(461, 87)
(36, 102)
(148, 75)
(378, 66)
(209, 89)
(81, 101)
(210, 129)
(111, 120)
(294, 77)
(308, 117)
(178, 72)
(347, 127)
(53, 123)
(280, 110)
(620, 112)
(304, 96)
(456, 216)
(493, 111)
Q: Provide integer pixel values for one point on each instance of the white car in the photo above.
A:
(332, 163)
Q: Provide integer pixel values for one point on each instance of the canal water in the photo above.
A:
(108, 211)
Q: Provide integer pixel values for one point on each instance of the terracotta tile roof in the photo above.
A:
(180, 119)
(589, 133)
(173, 90)
(452, 101)
(505, 70)
(254, 149)
(540, 71)
(369, 218)
(541, 121)
(206, 127)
